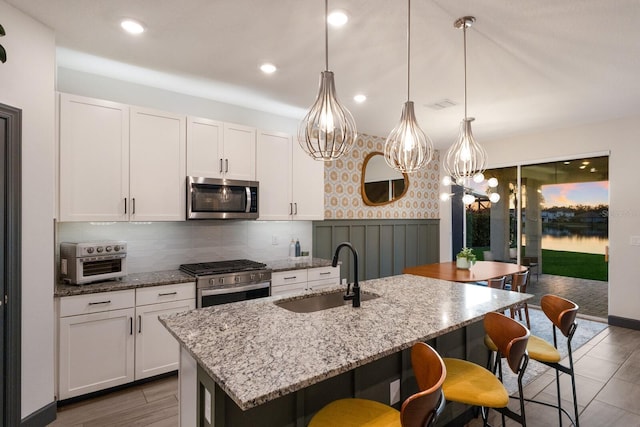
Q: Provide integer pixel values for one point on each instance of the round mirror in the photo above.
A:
(380, 183)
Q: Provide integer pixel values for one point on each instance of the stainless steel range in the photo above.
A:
(223, 282)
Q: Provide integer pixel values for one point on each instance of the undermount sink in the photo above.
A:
(314, 303)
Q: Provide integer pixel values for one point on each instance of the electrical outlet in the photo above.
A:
(274, 240)
(394, 392)
(635, 240)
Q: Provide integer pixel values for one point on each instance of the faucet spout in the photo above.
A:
(355, 295)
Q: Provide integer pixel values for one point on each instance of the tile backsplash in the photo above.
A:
(161, 246)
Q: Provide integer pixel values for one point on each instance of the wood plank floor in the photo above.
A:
(607, 375)
(151, 404)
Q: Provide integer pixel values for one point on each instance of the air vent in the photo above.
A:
(441, 105)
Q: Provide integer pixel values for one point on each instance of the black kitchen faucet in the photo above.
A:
(355, 295)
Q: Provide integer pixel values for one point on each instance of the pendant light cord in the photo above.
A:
(464, 36)
(326, 35)
(408, 46)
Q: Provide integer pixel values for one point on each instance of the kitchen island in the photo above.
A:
(246, 361)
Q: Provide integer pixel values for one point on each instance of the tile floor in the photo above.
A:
(607, 375)
(607, 382)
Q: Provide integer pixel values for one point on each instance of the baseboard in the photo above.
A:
(42, 417)
(624, 322)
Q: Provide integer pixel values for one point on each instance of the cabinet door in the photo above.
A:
(308, 186)
(157, 166)
(157, 351)
(204, 148)
(96, 352)
(239, 152)
(94, 159)
(273, 171)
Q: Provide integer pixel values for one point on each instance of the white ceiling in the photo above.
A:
(532, 65)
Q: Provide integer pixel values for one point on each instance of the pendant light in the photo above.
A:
(328, 131)
(465, 159)
(408, 148)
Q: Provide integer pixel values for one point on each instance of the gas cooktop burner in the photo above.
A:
(221, 267)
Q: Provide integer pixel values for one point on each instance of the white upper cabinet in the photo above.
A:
(291, 182)
(274, 175)
(120, 163)
(157, 166)
(220, 150)
(94, 159)
(204, 148)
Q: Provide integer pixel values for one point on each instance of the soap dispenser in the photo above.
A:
(292, 248)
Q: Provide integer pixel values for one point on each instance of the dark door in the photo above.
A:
(10, 284)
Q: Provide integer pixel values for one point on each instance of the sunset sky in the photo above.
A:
(583, 193)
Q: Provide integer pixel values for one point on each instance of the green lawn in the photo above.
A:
(575, 264)
(570, 264)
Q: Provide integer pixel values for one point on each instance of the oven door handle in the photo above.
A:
(234, 289)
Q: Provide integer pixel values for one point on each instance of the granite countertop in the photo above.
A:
(297, 263)
(256, 351)
(157, 278)
(130, 281)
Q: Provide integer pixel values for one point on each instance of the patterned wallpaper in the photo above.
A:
(343, 199)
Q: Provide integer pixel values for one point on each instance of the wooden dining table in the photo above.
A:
(480, 271)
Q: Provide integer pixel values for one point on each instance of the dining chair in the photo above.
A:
(418, 410)
(519, 282)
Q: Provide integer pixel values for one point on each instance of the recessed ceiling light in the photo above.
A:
(268, 68)
(583, 166)
(567, 163)
(131, 26)
(585, 163)
(337, 18)
(360, 98)
(592, 170)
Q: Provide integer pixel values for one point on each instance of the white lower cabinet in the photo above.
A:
(157, 351)
(113, 338)
(311, 279)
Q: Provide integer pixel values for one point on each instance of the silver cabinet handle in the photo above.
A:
(100, 302)
(220, 165)
(226, 165)
(130, 325)
(164, 294)
(125, 205)
(290, 208)
(325, 272)
(290, 277)
(139, 324)
(296, 210)
(133, 206)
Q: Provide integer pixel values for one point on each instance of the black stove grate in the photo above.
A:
(221, 267)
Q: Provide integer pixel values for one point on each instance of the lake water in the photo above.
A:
(575, 243)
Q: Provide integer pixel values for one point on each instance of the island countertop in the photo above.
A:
(256, 351)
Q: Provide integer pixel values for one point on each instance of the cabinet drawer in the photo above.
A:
(95, 303)
(288, 277)
(323, 273)
(165, 293)
(321, 284)
(288, 288)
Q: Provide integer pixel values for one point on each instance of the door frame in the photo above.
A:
(11, 257)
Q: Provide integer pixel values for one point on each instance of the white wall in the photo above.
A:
(27, 82)
(91, 85)
(620, 138)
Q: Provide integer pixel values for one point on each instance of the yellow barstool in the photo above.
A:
(562, 314)
(475, 385)
(419, 410)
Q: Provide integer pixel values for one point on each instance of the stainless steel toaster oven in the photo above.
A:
(87, 262)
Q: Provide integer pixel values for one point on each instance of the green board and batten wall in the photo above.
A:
(385, 246)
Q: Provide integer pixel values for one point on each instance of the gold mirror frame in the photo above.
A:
(365, 198)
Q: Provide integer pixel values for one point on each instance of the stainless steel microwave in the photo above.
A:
(215, 198)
